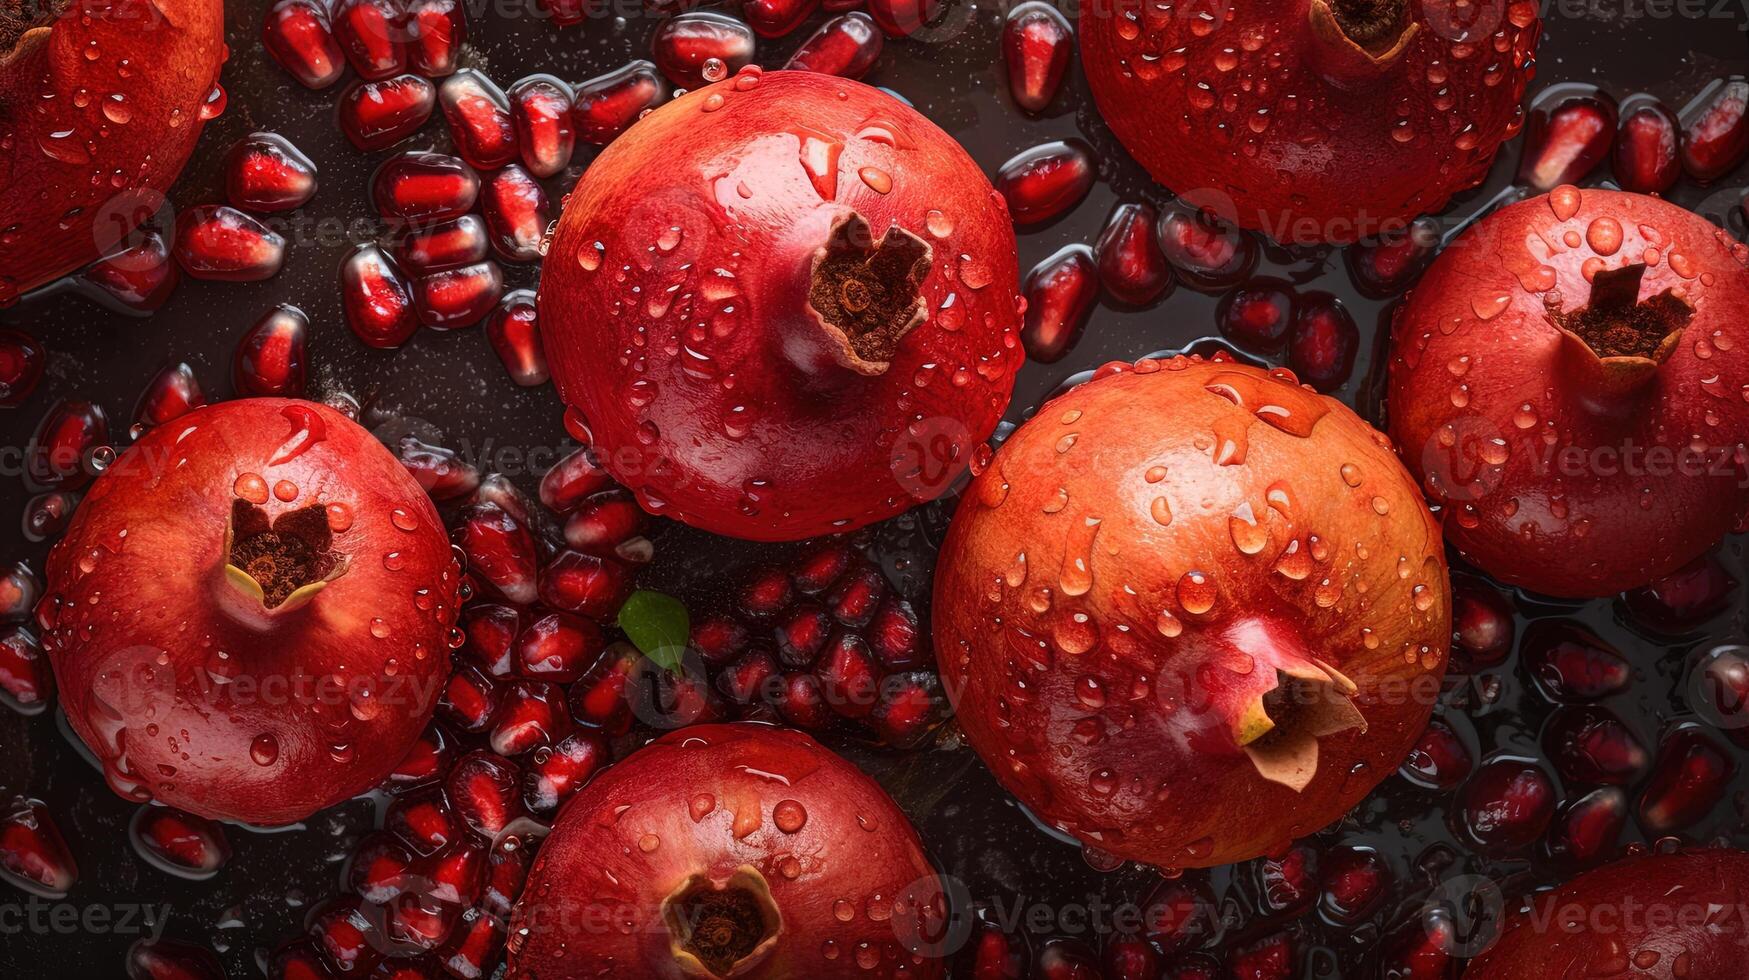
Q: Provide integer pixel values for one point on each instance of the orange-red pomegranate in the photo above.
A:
(1652, 917)
(1192, 610)
(250, 615)
(1312, 120)
(100, 105)
(1568, 382)
(783, 305)
(721, 851)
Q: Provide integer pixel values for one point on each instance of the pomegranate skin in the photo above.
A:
(678, 307)
(1561, 470)
(65, 155)
(1269, 113)
(195, 690)
(1116, 585)
(1652, 917)
(813, 849)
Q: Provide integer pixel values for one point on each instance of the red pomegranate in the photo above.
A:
(1567, 381)
(1313, 120)
(100, 105)
(1191, 611)
(250, 615)
(1651, 917)
(783, 305)
(721, 851)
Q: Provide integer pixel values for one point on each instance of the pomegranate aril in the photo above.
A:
(607, 104)
(1567, 141)
(478, 113)
(555, 773)
(517, 214)
(446, 245)
(1715, 129)
(601, 701)
(777, 18)
(422, 821)
(604, 523)
(1718, 690)
(33, 856)
(379, 869)
(1036, 45)
(585, 584)
(1060, 292)
(457, 876)
(65, 444)
(1585, 831)
(47, 515)
(422, 187)
(903, 18)
(214, 241)
(345, 935)
(530, 714)
(1066, 959)
(377, 115)
(21, 366)
(1646, 146)
(1131, 266)
(894, 637)
(270, 357)
(1131, 958)
(1422, 950)
(540, 111)
(135, 278)
(1323, 342)
(19, 591)
(443, 474)
(1591, 746)
(1179, 912)
(1354, 878)
(180, 843)
(1690, 777)
(469, 699)
(749, 679)
(425, 763)
(1570, 663)
(417, 921)
(718, 639)
(265, 172)
(1506, 806)
(855, 598)
(1043, 182)
(558, 647)
(572, 480)
(801, 701)
(455, 298)
(764, 594)
(506, 870)
(483, 789)
(1440, 760)
(26, 682)
(849, 676)
(1481, 622)
(298, 960)
(1257, 315)
(992, 953)
(1288, 885)
(475, 945)
(801, 635)
(1684, 599)
(167, 959)
(698, 47)
(376, 298)
(911, 706)
(1207, 252)
(514, 334)
(492, 630)
(373, 35)
(847, 46)
(499, 549)
(1387, 265)
(436, 30)
(299, 36)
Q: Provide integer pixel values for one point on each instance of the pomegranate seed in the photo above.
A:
(1036, 43)
(1208, 253)
(1566, 141)
(482, 790)
(478, 113)
(584, 584)
(1718, 690)
(903, 18)
(443, 474)
(1131, 958)
(26, 682)
(422, 821)
(1481, 622)
(179, 843)
(19, 592)
(377, 115)
(572, 480)
(540, 111)
(455, 298)
(298, 35)
(423, 187)
(376, 298)
(1585, 831)
(893, 637)
(848, 676)
(457, 876)
(1506, 805)
(1066, 959)
(765, 594)
(64, 445)
(1060, 292)
(1131, 266)
(373, 35)
(1289, 884)
(847, 46)
(994, 954)
(167, 959)
(820, 568)
(530, 714)
(1355, 878)
(517, 214)
(499, 549)
(607, 104)
(1440, 760)
(1387, 265)
(718, 639)
(270, 357)
(1257, 315)
(47, 515)
(420, 922)
(475, 945)
(911, 706)
(21, 366)
(777, 18)
(700, 47)
(1179, 912)
(856, 597)
(33, 856)
(514, 334)
(1323, 341)
(218, 242)
(1646, 159)
(1684, 599)
(265, 172)
(135, 278)
(491, 629)
(556, 773)
(1591, 745)
(298, 960)
(1421, 949)
(469, 699)
(802, 702)
(1715, 134)
(425, 763)
(437, 29)
(801, 635)
(600, 702)
(496, 489)
(345, 935)
(171, 394)
(1570, 663)
(559, 647)
(749, 679)
(1690, 778)
(604, 522)
(446, 245)
(1043, 182)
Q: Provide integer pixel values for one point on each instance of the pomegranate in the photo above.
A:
(1564, 381)
(107, 156)
(1657, 916)
(1277, 653)
(1314, 120)
(250, 613)
(808, 338)
(730, 851)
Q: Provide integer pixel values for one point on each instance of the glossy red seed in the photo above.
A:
(478, 113)
(1288, 885)
(1440, 759)
(1506, 805)
(1131, 958)
(1257, 315)
(896, 639)
(33, 855)
(911, 706)
(776, 18)
(136, 277)
(517, 214)
(607, 104)
(1646, 157)
(1060, 292)
(1566, 140)
(456, 298)
(1043, 182)
(270, 357)
(1036, 44)
(1685, 598)
(492, 629)
(1591, 746)
(167, 959)
(1066, 959)
(47, 515)
(21, 366)
(443, 473)
(437, 29)
(1690, 777)
(422, 821)
(445, 245)
(1421, 950)
(903, 18)
(1481, 622)
(63, 446)
(1354, 878)
(802, 703)
(19, 592)
(172, 393)
(571, 480)
(456, 876)
(218, 242)
(500, 550)
(530, 714)
(700, 47)
(1387, 265)
(376, 298)
(555, 774)
(298, 960)
(425, 763)
(1207, 252)
(558, 647)
(1323, 341)
(180, 843)
(299, 36)
(514, 334)
(856, 597)
(585, 584)
(995, 954)
(1715, 129)
(801, 634)
(26, 682)
(377, 115)
(373, 35)
(718, 639)
(604, 522)
(423, 187)
(847, 46)
(764, 594)
(1131, 266)
(1570, 663)
(751, 678)
(1718, 690)
(469, 699)
(600, 701)
(475, 946)
(849, 676)
(540, 110)
(265, 172)
(1585, 831)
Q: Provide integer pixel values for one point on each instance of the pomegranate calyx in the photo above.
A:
(25, 25)
(280, 565)
(1358, 40)
(1614, 344)
(1280, 728)
(866, 295)
(722, 929)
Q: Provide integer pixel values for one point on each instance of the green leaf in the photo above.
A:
(658, 625)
